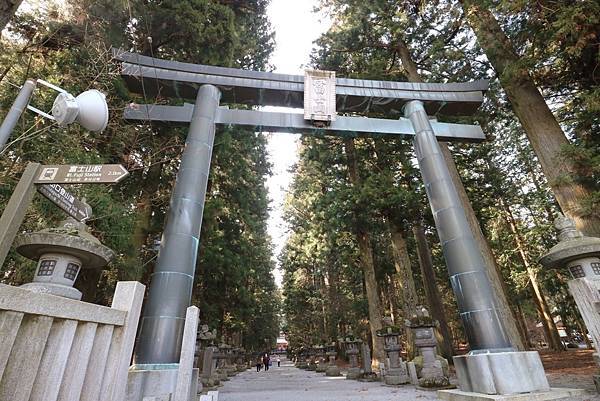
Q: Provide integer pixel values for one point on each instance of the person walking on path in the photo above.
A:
(278, 361)
(258, 364)
(266, 361)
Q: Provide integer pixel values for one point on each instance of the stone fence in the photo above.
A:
(54, 348)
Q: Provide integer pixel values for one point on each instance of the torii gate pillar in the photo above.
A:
(170, 293)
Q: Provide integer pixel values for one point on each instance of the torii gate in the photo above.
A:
(492, 367)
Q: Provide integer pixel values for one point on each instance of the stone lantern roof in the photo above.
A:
(70, 238)
(572, 245)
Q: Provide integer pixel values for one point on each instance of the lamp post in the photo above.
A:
(89, 109)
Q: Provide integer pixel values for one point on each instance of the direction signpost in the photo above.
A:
(81, 174)
(46, 179)
(62, 198)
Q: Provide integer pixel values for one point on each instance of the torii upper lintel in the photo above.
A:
(182, 80)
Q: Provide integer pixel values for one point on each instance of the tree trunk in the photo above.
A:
(548, 324)
(143, 223)
(403, 267)
(404, 272)
(507, 314)
(375, 315)
(7, 10)
(523, 327)
(363, 238)
(540, 125)
(431, 291)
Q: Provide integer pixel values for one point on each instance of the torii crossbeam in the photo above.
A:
(322, 96)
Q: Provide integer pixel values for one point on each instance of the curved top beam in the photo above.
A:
(154, 76)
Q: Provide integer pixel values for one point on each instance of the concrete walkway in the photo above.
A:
(288, 383)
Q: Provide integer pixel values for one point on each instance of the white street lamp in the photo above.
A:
(89, 109)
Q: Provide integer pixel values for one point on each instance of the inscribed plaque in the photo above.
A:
(319, 95)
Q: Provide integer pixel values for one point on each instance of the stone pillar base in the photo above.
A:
(501, 373)
(552, 394)
(142, 384)
(394, 380)
(333, 370)
(353, 373)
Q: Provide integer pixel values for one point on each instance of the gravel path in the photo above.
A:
(288, 383)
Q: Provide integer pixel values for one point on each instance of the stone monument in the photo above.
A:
(580, 255)
(61, 253)
(431, 370)
(397, 372)
(367, 373)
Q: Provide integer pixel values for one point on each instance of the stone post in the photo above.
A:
(580, 255)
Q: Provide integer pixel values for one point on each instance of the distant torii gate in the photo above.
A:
(321, 95)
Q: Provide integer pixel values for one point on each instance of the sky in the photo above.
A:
(296, 27)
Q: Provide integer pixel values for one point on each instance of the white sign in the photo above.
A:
(319, 95)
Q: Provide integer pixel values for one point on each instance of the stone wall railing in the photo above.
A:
(54, 348)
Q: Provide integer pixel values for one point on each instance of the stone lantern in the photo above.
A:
(217, 357)
(61, 253)
(432, 373)
(332, 368)
(352, 345)
(206, 352)
(580, 255)
(222, 356)
(301, 362)
(397, 371)
(321, 360)
(312, 358)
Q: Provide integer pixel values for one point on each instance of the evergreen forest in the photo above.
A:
(361, 241)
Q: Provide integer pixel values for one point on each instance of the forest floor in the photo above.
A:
(573, 368)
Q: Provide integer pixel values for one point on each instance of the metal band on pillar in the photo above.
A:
(171, 284)
(466, 267)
